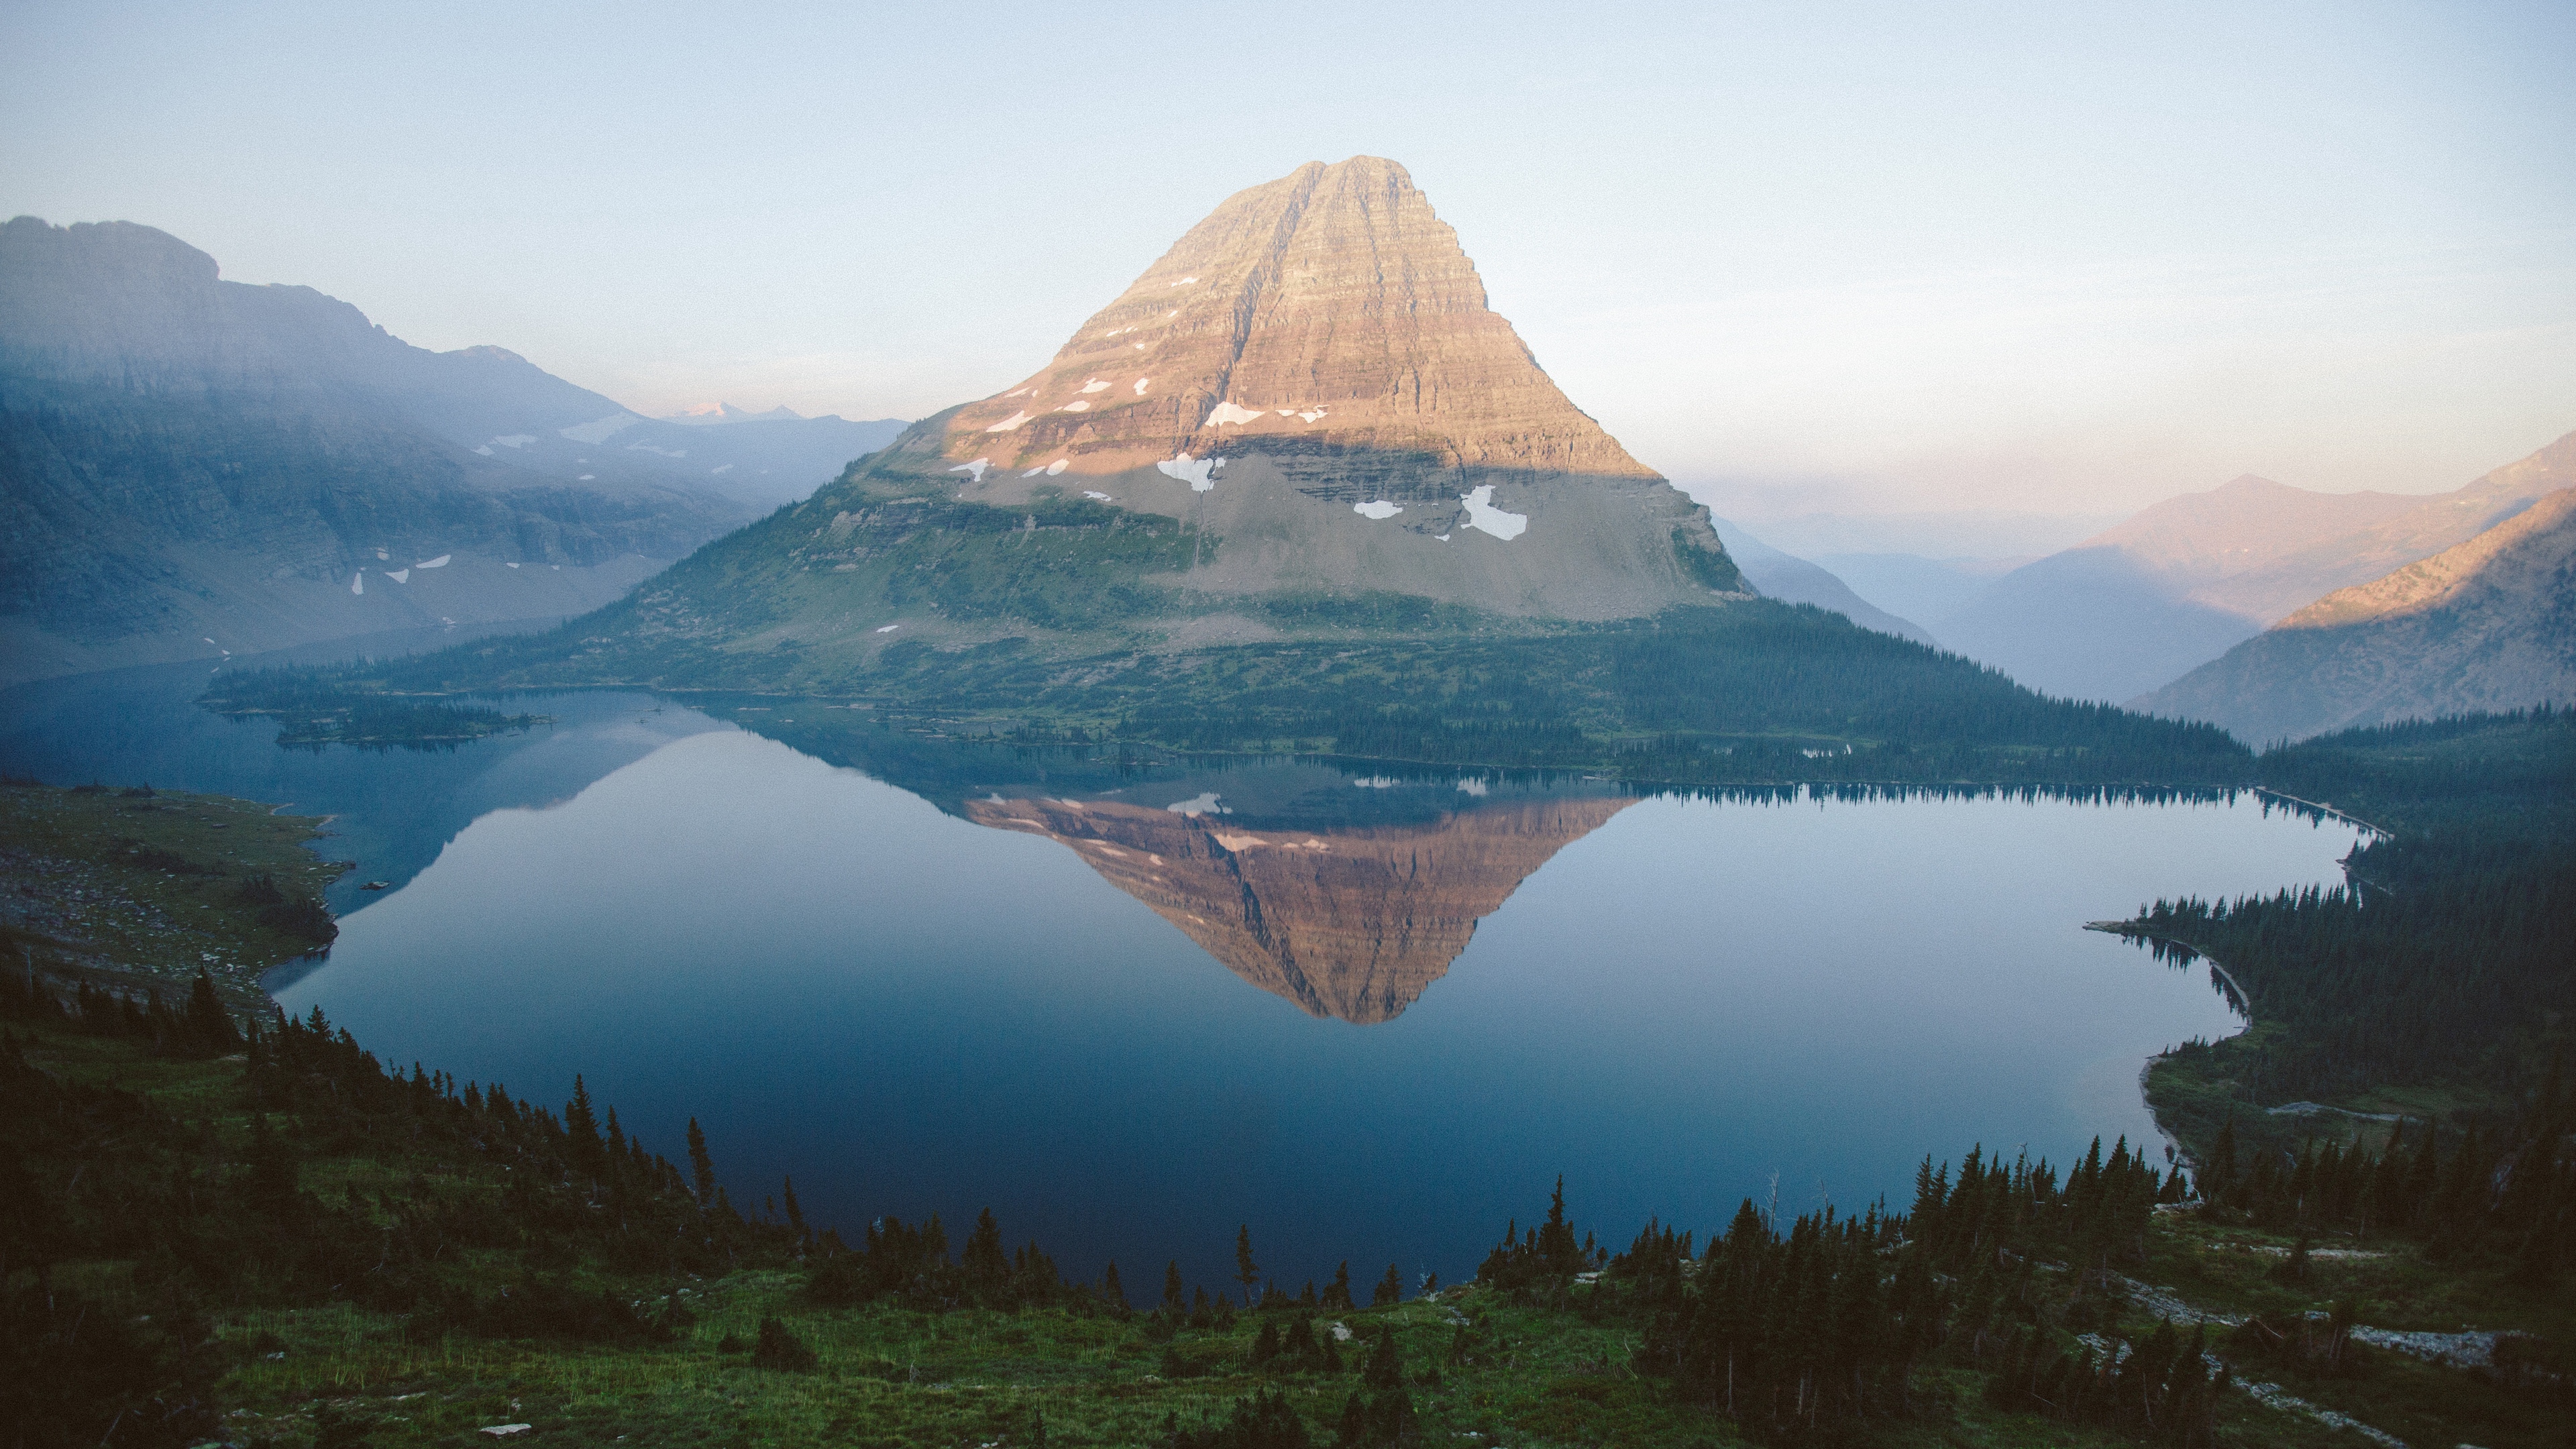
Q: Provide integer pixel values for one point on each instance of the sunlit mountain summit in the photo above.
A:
(1303, 420)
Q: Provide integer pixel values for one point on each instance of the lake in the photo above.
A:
(1130, 1004)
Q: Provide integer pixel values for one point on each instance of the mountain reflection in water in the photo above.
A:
(1352, 922)
(828, 946)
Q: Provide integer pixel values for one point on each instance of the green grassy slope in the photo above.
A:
(136, 890)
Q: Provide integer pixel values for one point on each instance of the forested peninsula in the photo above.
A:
(232, 1227)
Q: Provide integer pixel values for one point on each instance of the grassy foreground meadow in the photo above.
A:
(229, 1228)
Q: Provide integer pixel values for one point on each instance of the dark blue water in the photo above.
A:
(1371, 1017)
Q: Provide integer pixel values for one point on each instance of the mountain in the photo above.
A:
(2180, 583)
(714, 414)
(189, 460)
(1352, 922)
(1299, 490)
(2090, 623)
(2489, 624)
(756, 459)
(1913, 586)
(1794, 580)
(2427, 526)
(1304, 420)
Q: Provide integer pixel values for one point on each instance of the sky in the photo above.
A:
(1967, 278)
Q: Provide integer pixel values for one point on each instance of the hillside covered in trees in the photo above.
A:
(1753, 692)
(2436, 984)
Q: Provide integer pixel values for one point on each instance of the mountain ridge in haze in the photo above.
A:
(2181, 582)
(192, 460)
(2488, 624)
(1794, 580)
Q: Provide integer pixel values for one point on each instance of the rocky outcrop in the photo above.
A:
(1351, 923)
(2487, 625)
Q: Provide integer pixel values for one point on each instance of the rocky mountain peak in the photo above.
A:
(1330, 308)
(1312, 382)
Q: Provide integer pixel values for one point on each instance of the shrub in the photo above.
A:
(779, 1349)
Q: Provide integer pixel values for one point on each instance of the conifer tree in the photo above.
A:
(1385, 1368)
(1556, 1245)
(795, 1214)
(1172, 1303)
(702, 1168)
(1339, 1294)
(2218, 1178)
(581, 1131)
(1111, 1288)
(208, 1022)
(1390, 1289)
(1246, 1271)
(987, 1267)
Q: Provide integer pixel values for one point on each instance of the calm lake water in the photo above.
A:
(1129, 1007)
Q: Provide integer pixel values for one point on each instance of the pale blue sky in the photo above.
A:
(2039, 258)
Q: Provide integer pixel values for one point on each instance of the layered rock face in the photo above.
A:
(1331, 310)
(2487, 625)
(1312, 381)
(1349, 923)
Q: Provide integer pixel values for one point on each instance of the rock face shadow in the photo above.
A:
(1351, 922)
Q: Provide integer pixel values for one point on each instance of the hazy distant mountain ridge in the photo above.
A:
(1795, 580)
(2430, 524)
(2185, 580)
(715, 414)
(190, 459)
(136, 308)
(2242, 525)
(2489, 624)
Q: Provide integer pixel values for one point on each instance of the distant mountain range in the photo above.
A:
(2489, 624)
(714, 413)
(760, 460)
(1795, 580)
(2179, 584)
(1913, 586)
(194, 466)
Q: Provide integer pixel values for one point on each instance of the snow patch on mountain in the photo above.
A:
(1195, 474)
(1481, 513)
